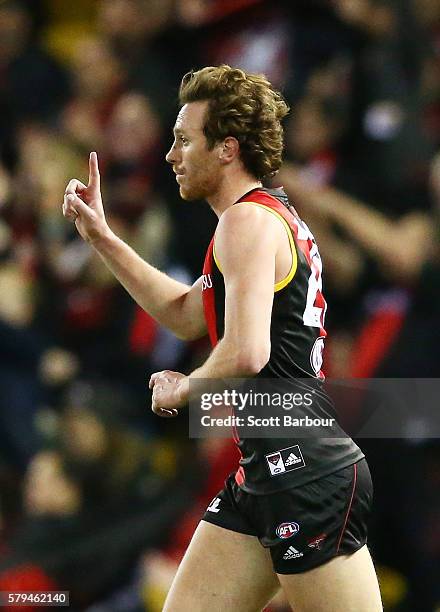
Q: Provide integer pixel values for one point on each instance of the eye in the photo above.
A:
(183, 140)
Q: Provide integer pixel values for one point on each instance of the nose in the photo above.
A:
(171, 155)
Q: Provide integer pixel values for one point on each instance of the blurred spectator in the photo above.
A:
(97, 82)
(136, 30)
(97, 500)
(131, 25)
(134, 152)
(32, 84)
(249, 34)
(20, 388)
(387, 135)
(398, 338)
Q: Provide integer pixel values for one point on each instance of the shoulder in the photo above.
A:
(248, 217)
(245, 232)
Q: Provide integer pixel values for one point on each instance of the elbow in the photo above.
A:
(188, 335)
(183, 335)
(251, 361)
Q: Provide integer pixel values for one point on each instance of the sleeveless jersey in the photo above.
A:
(269, 465)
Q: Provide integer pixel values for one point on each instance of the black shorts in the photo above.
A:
(305, 526)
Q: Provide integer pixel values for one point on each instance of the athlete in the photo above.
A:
(294, 515)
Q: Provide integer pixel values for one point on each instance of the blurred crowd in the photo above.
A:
(97, 495)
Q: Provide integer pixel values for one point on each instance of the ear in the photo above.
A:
(229, 150)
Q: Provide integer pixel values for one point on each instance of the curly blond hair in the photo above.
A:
(244, 106)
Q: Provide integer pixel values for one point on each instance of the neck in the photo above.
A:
(230, 190)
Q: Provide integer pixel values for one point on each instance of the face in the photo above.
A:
(309, 132)
(133, 128)
(14, 28)
(96, 69)
(198, 169)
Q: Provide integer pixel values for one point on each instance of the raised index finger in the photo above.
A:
(94, 179)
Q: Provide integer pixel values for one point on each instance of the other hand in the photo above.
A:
(170, 392)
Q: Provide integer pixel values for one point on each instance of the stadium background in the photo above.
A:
(97, 495)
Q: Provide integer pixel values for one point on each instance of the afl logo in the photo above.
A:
(206, 282)
(287, 530)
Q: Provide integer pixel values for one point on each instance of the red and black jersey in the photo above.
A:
(297, 343)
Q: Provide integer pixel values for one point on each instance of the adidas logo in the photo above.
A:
(291, 460)
(292, 553)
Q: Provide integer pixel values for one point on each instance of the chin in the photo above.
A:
(187, 195)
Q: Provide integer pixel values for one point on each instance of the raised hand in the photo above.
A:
(83, 204)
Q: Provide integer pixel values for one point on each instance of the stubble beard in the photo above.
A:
(188, 195)
(197, 190)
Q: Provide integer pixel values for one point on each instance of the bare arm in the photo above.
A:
(400, 246)
(247, 242)
(174, 304)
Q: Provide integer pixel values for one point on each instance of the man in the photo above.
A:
(260, 300)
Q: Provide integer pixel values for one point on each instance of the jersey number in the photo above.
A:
(313, 315)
